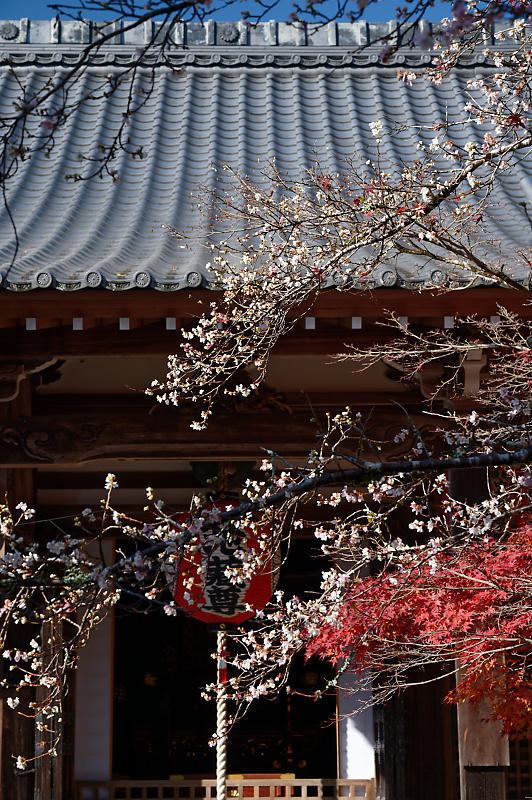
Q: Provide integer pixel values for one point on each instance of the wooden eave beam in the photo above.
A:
(427, 304)
(19, 345)
(52, 308)
(51, 314)
(87, 435)
(288, 402)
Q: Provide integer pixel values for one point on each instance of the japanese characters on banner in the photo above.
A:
(210, 594)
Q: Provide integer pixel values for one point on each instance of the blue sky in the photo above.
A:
(384, 10)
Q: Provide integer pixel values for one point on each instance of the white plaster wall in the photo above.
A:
(94, 706)
(356, 740)
(94, 699)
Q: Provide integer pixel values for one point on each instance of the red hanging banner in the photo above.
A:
(203, 587)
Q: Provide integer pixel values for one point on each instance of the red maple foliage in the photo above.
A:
(472, 604)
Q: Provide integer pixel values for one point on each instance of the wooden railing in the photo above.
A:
(258, 788)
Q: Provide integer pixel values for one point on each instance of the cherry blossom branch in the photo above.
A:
(371, 471)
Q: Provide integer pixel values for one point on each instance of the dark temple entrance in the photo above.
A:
(162, 724)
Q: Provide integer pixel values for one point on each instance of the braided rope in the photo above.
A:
(221, 719)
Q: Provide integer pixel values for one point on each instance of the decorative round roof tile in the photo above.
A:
(193, 280)
(389, 278)
(142, 279)
(229, 33)
(9, 31)
(437, 277)
(94, 279)
(44, 280)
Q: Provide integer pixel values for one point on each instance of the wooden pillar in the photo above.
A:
(483, 751)
(395, 753)
(93, 737)
(17, 732)
(43, 780)
(484, 754)
(67, 739)
(49, 769)
(390, 749)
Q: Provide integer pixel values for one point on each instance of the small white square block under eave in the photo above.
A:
(31, 323)
(77, 323)
(171, 324)
(356, 323)
(310, 323)
(123, 324)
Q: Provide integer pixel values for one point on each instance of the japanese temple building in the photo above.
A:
(93, 304)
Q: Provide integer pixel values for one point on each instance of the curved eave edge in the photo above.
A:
(411, 58)
(384, 282)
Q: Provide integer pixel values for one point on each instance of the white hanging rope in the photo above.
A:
(221, 717)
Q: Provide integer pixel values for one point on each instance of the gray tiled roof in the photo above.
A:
(243, 95)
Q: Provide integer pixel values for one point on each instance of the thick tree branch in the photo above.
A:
(370, 471)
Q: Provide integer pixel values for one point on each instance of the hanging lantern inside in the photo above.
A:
(205, 590)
